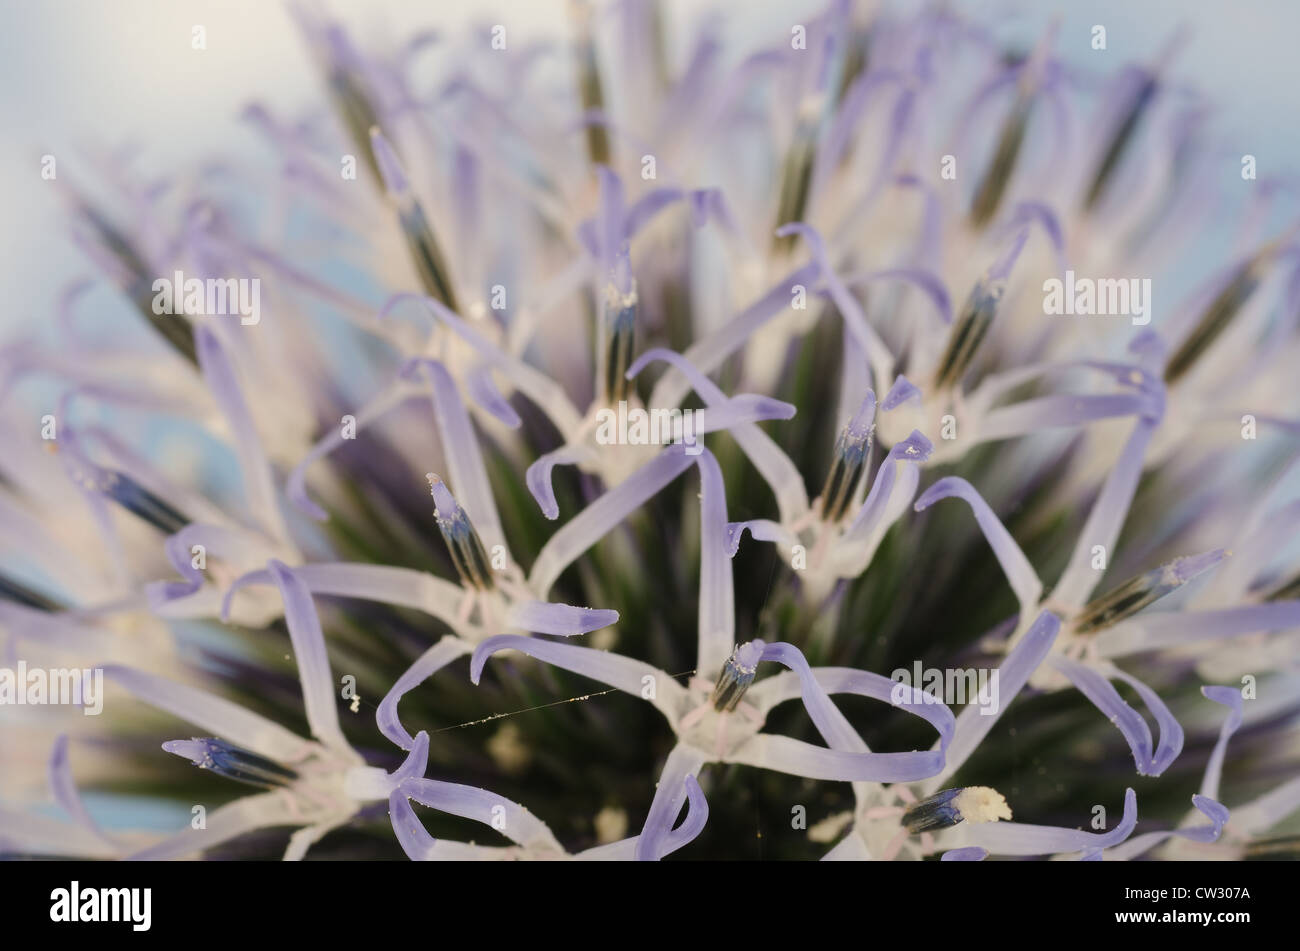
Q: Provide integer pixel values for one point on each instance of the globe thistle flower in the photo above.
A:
(634, 300)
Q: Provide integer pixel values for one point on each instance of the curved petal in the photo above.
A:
(670, 792)
(624, 673)
(600, 517)
(510, 819)
(1020, 573)
(430, 662)
(786, 755)
(311, 657)
(1016, 838)
(974, 723)
(1106, 698)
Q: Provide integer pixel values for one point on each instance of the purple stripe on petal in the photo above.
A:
(219, 372)
(538, 476)
(786, 755)
(309, 653)
(64, 786)
(509, 818)
(973, 724)
(670, 792)
(830, 722)
(1263, 813)
(902, 391)
(768, 458)
(464, 458)
(1231, 698)
(1016, 838)
(264, 811)
(404, 587)
(1170, 743)
(1105, 519)
(411, 834)
(761, 529)
(618, 671)
(390, 398)
(710, 352)
(564, 620)
(878, 354)
(914, 449)
(600, 517)
(430, 662)
(927, 282)
(1020, 573)
(1057, 411)
(1177, 628)
(1106, 698)
(716, 625)
(483, 390)
(416, 762)
(697, 815)
(548, 395)
(971, 853)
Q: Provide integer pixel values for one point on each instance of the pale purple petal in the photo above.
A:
(902, 391)
(971, 853)
(386, 584)
(411, 834)
(709, 353)
(617, 671)
(1105, 520)
(259, 486)
(761, 530)
(483, 390)
(786, 755)
(973, 724)
(912, 450)
(263, 811)
(390, 398)
(1016, 838)
(309, 652)
(1231, 698)
(1177, 628)
(538, 476)
(716, 624)
(1170, 743)
(1020, 573)
(768, 458)
(509, 818)
(64, 786)
(670, 792)
(430, 662)
(563, 620)
(214, 714)
(1106, 698)
(600, 517)
(1056, 411)
(464, 458)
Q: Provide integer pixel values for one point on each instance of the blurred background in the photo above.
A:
(93, 74)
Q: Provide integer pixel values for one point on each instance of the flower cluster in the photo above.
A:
(811, 277)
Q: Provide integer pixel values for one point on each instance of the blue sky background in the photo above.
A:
(79, 72)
